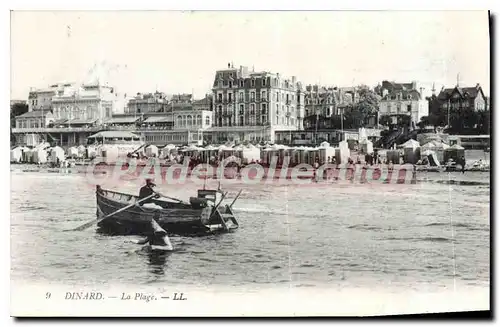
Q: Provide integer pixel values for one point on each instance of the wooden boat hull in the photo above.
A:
(175, 218)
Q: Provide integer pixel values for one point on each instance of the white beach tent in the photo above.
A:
(39, 155)
(411, 151)
(343, 153)
(82, 151)
(366, 146)
(56, 153)
(16, 154)
(326, 151)
(73, 152)
(151, 150)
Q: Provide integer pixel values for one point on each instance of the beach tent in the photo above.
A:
(27, 156)
(152, 151)
(39, 155)
(411, 151)
(393, 155)
(326, 152)
(16, 154)
(73, 152)
(56, 153)
(342, 153)
(455, 152)
(366, 146)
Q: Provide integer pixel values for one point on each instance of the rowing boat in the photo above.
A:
(202, 215)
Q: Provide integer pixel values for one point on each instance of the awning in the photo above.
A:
(79, 122)
(158, 119)
(122, 120)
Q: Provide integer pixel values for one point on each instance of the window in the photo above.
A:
(219, 97)
(242, 109)
(198, 120)
(230, 74)
(220, 110)
(241, 83)
(252, 83)
(264, 81)
(252, 96)
(252, 109)
(277, 109)
(264, 108)
(264, 95)
(241, 96)
(220, 83)
(230, 84)
(207, 120)
(230, 97)
(184, 124)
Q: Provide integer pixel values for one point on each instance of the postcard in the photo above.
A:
(249, 163)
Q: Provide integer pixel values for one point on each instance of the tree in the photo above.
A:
(17, 109)
(367, 106)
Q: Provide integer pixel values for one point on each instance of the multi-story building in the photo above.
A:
(147, 102)
(83, 105)
(402, 99)
(462, 98)
(65, 113)
(320, 100)
(253, 105)
(181, 121)
(41, 99)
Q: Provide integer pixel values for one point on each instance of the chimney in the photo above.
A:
(228, 65)
(478, 86)
(421, 92)
(413, 85)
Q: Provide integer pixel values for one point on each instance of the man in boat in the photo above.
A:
(147, 190)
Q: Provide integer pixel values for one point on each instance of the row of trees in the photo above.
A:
(460, 122)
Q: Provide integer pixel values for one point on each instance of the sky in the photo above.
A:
(179, 52)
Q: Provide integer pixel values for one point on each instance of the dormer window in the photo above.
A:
(264, 81)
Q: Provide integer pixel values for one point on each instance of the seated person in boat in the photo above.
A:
(147, 190)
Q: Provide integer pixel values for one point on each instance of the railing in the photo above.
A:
(56, 129)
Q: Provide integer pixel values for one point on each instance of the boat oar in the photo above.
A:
(97, 221)
(171, 198)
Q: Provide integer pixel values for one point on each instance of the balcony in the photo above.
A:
(56, 129)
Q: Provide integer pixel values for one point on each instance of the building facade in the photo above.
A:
(83, 105)
(462, 98)
(64, 114)
(147, 102)
(253, 105)
(402, 99)
(320, 100)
